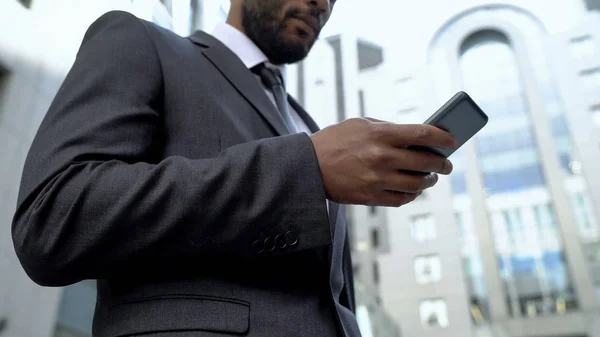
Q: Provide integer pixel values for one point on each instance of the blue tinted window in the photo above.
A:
(556, 273)
(559, 126)
(509, 141)
(553, 259)
(523, 264)
(459, 184)
(565, 162)
(514, 180)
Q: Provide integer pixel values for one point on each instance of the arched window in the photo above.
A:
(527, 244)
(507, 149)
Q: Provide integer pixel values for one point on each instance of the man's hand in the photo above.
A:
(365, 161)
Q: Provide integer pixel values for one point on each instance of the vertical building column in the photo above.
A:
(584, 134)
(586, 293)
(347, 75)
(476, 191)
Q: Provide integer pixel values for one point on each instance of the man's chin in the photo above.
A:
(300, 39)
(289, 52)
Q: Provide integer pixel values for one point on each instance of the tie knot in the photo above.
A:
(270, 77)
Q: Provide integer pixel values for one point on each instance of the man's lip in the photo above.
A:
(310, 21)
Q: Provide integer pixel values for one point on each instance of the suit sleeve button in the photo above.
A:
(291, 238)
(258, 247)
(280, 241)
(269, 244)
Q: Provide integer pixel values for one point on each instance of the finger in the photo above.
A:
(413, 160)
(408, 183)
(419, 161)
(399, 135)
(394, 199)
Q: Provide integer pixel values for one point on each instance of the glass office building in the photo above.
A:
(512, 238)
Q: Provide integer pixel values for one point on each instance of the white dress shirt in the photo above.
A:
(251, 56)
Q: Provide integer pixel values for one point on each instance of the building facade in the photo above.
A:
(509, 245)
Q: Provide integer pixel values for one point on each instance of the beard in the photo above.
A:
(261, 21)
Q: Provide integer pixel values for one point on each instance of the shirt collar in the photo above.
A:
(241, 45)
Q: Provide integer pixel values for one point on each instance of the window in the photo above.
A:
(473, 267)
(515, 139)
(459, 223)
(361, 102)
(579, 39)
(582, 215)
(509, 161)
(375, 238)
(515, 228)
(492, 76)
(544, 215)
(407, 110)
(375, 272)
(583, 46)
(509, 225)
(407, 114)
(434, 313)
(479, 310)
(423, 228)
(595, 109)
(428, 269)
(4, 75)
(514, 180)
(591, 79)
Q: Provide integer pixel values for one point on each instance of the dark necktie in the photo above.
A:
(272, 80)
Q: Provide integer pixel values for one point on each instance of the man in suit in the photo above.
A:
(177, 173)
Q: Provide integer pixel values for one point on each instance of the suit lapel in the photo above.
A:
(240, 77)
(244, 81)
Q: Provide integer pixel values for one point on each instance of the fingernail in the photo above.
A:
(456, 143)
(449, 166)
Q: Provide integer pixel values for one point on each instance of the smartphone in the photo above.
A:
(461, 117)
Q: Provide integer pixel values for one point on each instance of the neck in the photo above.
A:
(234, 19)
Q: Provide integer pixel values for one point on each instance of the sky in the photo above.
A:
(405, 27)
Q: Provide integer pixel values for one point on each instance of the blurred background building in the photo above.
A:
(507, 246)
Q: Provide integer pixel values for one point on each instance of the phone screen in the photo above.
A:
(461, 117)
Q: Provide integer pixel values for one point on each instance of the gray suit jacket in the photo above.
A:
(163, 171)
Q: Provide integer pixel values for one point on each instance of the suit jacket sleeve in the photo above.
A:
(96, 197)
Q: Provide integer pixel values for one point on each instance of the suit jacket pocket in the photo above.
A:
(178, 313)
